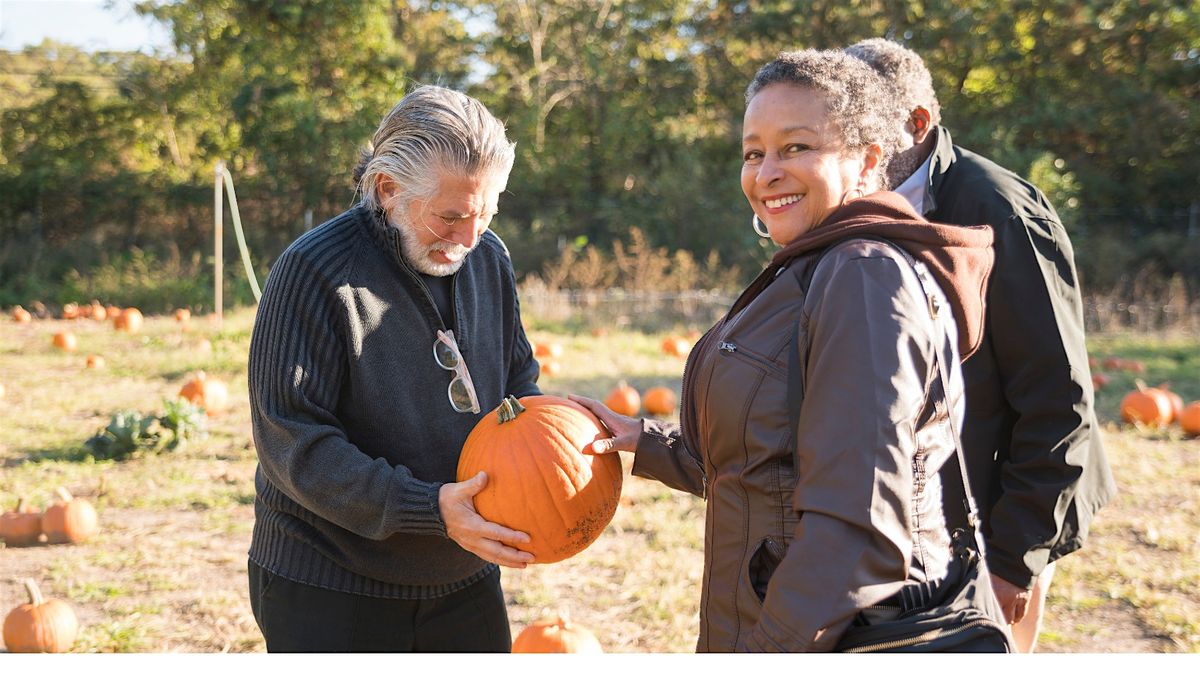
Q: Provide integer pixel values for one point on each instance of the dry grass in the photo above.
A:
(167, 572)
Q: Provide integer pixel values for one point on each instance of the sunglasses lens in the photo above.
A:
(445, 355)
(460, 396)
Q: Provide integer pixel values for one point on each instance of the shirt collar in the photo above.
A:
(914, 187)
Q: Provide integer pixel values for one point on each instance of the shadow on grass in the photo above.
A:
(72, 453)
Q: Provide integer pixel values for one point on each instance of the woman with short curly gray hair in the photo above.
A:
(809, 419)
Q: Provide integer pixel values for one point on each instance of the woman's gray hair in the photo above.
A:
(857, 99)
(904, 70)
(432, 131)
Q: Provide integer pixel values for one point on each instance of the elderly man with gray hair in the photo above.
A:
(363, 541)
(1035, 457)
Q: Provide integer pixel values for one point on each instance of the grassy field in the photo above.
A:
(167, 570)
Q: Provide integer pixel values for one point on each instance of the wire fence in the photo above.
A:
(654, 312)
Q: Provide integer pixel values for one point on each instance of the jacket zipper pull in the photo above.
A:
(726, 346)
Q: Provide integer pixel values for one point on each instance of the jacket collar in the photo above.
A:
(942, 159)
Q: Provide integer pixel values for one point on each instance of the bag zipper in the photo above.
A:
(927, 636)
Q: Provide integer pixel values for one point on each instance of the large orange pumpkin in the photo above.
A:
(539, 480)
(207, 393)
(21, 527)
(65, 340)
(40, 626)
(624, 400)
(660, 401)
(94, 311)
(70, 519)
(556, 636)
(130, 320)
(1146, 406)
(1190, 419)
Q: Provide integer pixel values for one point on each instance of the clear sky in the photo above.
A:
(94, 25)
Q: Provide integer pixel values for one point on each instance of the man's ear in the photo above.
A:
(386, 190)
(919, 124)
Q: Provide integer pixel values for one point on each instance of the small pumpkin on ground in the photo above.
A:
(130, 320)
(182, 315)
(558, 635)
(1176, 403)
(624, 400)
(660, 401)
(553, 350)
(539, 480)
(95, 361)
(550, 368)
(40, 626)
(1190, 419)
(21, 316)
(21, 527)
(677, 346)
(70, 519)
(1146, 406)
(208, 393)
(66, 341)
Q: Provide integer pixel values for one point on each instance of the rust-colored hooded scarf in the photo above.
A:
(959, 257)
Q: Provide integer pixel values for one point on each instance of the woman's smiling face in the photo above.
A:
(795, 169)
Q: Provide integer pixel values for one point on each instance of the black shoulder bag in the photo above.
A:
(958, 613)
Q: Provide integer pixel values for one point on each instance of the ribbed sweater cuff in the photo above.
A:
(417, 510)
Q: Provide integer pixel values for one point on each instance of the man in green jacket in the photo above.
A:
(1036, 460)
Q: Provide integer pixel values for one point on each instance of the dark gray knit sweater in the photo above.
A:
(354, 431)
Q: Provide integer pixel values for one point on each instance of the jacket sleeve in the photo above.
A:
(661, 455)
(1035, 323)
(869, 357)
(297, 366)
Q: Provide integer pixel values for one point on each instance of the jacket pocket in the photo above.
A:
(766, 558)
(765, 364)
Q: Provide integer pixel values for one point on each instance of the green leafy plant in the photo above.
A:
(128, 432)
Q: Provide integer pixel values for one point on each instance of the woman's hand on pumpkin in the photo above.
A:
(489, 541)
(625, 430)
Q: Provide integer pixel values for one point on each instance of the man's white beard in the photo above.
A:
(417, 254)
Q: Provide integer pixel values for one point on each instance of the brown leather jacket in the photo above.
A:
(806, 527)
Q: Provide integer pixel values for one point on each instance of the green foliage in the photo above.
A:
(131, 431)
(626, 114)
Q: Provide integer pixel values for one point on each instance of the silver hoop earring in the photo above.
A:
(759, 227)
(857, 192)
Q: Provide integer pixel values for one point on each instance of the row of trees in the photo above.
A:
(626, 114)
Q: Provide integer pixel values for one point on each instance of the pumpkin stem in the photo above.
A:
(65, 494)
(509, 409)
(516, 405)
(21, 504)
(564, 619)
(35, 594)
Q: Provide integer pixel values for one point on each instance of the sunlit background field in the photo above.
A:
(167, 570)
